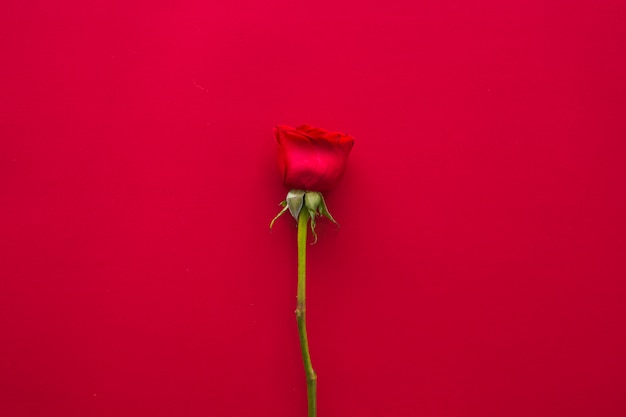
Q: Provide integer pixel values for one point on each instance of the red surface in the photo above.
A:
(481, 262)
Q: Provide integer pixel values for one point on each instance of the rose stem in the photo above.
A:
(311, 377)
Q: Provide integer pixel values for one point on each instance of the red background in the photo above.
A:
(481, 261)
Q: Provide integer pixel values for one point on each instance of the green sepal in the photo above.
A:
(285, 208)
(312, 216)
(312, 201)
(316, 206)
(295, 201)
(324, 211)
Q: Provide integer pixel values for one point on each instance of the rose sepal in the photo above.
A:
(312, 201)
(315, 204)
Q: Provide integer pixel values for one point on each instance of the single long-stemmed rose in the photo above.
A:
(311, 160)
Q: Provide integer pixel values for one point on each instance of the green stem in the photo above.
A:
(311, 377)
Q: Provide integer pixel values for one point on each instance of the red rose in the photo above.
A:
(310, 158)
